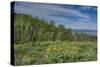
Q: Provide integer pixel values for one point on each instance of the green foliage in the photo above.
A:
(37, 41)
(32, 29)
(54, 52)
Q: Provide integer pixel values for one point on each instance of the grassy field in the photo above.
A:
(54, 52)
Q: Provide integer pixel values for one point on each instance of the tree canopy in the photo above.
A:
(32, 29)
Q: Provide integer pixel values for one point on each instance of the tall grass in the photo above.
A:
(54, 52)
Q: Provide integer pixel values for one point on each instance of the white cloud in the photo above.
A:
(85, 7)
(46, 9)
(79, 24)
(68, 12)
(72, 12)
(83, 20)
(83, 25)
(88, 7)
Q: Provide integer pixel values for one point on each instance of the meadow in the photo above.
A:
(37, 41)
(54, 52)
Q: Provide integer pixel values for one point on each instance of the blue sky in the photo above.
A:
(72, 16)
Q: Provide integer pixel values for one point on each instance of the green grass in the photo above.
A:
(54, 52)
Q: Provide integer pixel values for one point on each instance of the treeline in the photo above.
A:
(32, 29)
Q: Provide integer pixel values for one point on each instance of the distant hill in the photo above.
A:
(90, 32)
(83, 30)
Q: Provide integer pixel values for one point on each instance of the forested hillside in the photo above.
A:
(32, 29)
(37, 41)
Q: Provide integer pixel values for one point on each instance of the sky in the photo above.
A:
(71, 16)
